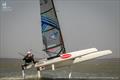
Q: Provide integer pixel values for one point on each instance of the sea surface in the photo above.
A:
(97, 69)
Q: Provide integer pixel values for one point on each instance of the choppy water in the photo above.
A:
(107, 69)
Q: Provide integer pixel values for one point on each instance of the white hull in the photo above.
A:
(73, 55)
(77, 56)
(92, 56)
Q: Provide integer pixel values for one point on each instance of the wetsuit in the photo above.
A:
(28, 59)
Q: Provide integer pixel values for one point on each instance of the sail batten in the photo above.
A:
(51, 32)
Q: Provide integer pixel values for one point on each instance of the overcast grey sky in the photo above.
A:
(84, 24)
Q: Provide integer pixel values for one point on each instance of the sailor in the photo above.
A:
(28, 59)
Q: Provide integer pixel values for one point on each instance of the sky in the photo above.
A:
(84, 24)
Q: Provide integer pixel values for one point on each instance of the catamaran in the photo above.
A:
(54, 44)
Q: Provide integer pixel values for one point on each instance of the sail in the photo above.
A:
(51, 33)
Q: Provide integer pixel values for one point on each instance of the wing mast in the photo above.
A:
(51, 32)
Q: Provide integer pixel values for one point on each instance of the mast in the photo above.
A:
(51, 32)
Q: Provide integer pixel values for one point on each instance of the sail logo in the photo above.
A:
(54, 35)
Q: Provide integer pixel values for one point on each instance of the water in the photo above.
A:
(105, 69)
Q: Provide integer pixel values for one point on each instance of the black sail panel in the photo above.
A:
(51, 33)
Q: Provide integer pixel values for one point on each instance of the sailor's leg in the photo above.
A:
(23, 71)
(38, 71)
